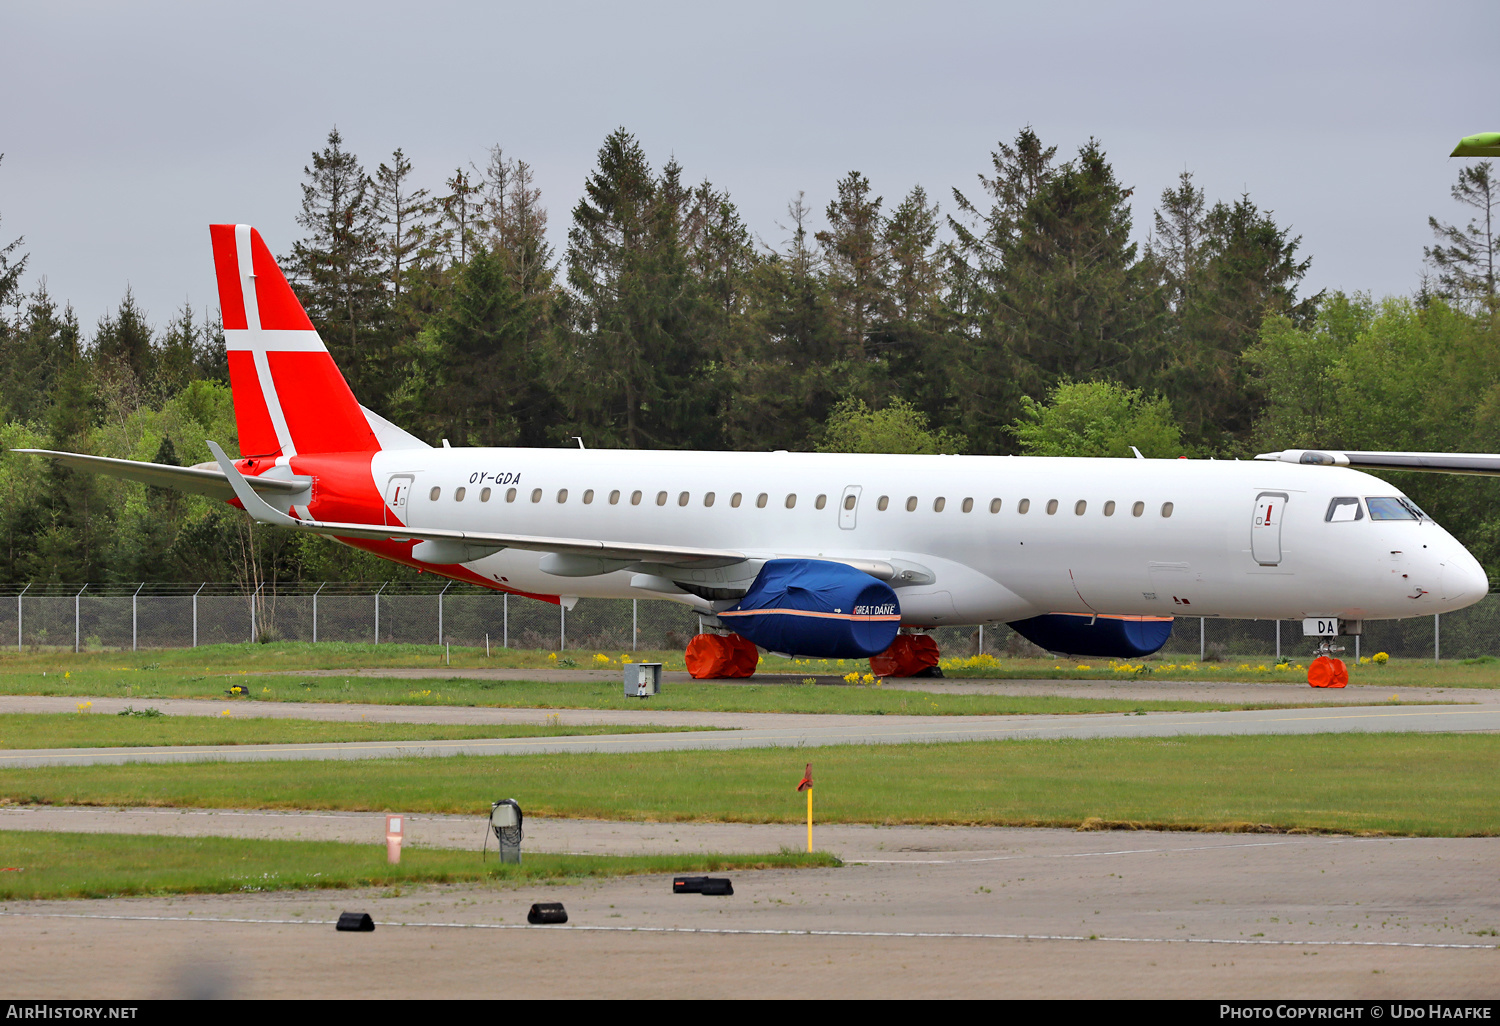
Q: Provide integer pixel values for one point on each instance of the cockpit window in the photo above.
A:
(1345, 507)
(1391, 507)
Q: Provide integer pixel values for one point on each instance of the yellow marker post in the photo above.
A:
(807, 785)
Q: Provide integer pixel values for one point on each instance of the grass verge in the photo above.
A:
(72, 730)
(38, 865)
(289, 656)
(1414, 784)
(148, 684)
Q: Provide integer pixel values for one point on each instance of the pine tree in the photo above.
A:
(12, 266)
(646, 376)
(403, 211)
(1464, 258)
(336, 268)
(45, 342)
(858, 262)
(460, 219)
(123, 342)
(1072, 303)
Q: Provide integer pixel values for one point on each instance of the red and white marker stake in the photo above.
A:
(393, 839)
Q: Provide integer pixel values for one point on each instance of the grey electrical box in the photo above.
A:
(642, 680)
(505, 821)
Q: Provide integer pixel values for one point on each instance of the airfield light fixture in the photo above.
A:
(505, 821)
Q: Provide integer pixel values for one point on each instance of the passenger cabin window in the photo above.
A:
(1079, 507)
(1391, 508)
(661, 498)
(760, 500)
(820, 502)
(734, 501)
(938, 504)
(1109, 508)
(459, 493)
(536, 495)
(1342, 509)
(682, 500)
(588, 496)
(484, 495)
(1166, 509)
(849, 501)
(884, 503)
(708, 498)
(614, 497)
(911, 504)
(968, 505)
(1137, 509)
(994, 505)
(510, 495)
(791, 500)
(1051, 506)
(433, 495)
(562, 495)
(1023, 506)
(635, 498)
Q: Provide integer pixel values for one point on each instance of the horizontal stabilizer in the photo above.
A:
(197, 480)
(1483, 464)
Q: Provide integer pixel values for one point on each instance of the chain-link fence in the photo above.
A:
(173, 616)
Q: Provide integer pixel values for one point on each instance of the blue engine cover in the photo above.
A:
(810, 608)
(1117, 636)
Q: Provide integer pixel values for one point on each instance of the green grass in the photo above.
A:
(99, 730)
(279, 657)
(262, 671)
(1422, 784)
(40, 865)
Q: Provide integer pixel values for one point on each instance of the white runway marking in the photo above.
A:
(897, 934)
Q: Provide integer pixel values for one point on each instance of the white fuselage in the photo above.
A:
(1241, 539)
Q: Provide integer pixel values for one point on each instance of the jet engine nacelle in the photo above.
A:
(1119, 637)
(813, 608)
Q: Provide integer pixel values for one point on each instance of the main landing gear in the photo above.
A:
(730, 656)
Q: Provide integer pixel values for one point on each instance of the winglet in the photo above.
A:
(258, 508)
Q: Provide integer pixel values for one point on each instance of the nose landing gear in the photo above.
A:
(1325, 670)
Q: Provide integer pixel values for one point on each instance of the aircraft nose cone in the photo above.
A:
(1464, 580)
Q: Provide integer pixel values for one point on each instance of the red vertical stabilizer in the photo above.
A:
(289, 397)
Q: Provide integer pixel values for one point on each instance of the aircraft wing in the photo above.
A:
(1483, 464)
(470, 544)
(198, 480)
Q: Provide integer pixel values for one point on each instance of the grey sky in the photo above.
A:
(128, 128)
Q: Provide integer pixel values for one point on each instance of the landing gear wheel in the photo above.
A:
(1327, 672)
(910, 655)
(721, 656)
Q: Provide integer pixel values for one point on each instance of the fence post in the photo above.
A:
(1278, 641)
(562, 627)
(1202, 651)
(132, 617)
(440, 610)
(195, 613)
(377, 612)
(505, 620)
(75, 618)
(634, 632)
(315, 611)
(1437, 651)
(1356, 648)
(981, 640)
(18, 617)
(254, 633)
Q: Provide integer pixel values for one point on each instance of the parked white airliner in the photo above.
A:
(960, 539)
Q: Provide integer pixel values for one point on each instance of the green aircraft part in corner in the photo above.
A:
(1485, 144)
